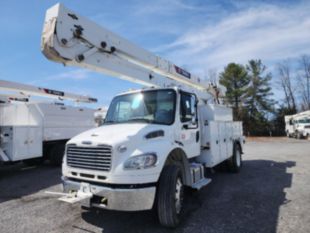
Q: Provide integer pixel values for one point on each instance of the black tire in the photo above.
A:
(169, 207)
(56, 154)
(234, 163)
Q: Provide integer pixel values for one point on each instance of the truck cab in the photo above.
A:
(141, 129)
(302, 127)
(298, 125)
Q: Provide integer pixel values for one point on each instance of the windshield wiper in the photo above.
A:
(108, 122)
(139, 119)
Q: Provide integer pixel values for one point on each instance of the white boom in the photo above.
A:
(74, 40)
(28, 90)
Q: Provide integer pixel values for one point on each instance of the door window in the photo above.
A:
(187, 107)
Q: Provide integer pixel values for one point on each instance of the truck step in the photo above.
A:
(201, 183)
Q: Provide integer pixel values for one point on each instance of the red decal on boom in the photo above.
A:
(182, 72)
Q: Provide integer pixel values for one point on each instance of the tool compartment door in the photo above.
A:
(27, 142)
(215, 142)
(211, 138)
(229, 139)
(35, 143)
(222, 141)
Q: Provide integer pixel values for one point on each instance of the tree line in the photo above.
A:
(250, 93)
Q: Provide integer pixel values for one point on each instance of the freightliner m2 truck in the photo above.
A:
(154, 142)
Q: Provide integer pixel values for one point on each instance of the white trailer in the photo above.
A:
(154, 141)
(298, 125)
(31, 130)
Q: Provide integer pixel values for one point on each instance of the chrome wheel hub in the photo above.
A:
(178, 195)
(238, 158)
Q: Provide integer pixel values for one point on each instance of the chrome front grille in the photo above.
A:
(92, 158)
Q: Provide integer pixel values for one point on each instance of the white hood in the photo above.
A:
(117, 133)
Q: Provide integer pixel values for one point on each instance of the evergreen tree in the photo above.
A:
(235, 79)
(258, 102)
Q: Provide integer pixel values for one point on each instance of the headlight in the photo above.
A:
(141, 161)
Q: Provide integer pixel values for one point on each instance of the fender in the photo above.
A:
(178, 155)
(237, 142)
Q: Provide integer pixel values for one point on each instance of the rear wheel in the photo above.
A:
(170, 196)
(234, 163)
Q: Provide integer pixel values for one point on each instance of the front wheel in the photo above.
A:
(170, 196)
(234, 163)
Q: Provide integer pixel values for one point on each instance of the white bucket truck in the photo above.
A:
(298, 125)
(154, 141)
(31, 129)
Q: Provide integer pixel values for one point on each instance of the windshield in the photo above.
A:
(304, 121)
(155, 106)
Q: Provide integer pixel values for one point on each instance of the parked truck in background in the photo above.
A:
(298, 125)
(32, 130)
(155, 141)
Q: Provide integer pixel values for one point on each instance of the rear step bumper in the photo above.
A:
(90, 195)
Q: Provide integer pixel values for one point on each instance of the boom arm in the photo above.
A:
(77, 41)
(45, 92)
(4, 98)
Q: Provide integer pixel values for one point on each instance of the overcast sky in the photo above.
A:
(199, 35)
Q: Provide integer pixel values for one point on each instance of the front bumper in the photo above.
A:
(124, 199)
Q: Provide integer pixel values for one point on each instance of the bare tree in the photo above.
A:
(304, 78)
(286, 84)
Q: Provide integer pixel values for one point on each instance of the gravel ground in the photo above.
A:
(270, 194)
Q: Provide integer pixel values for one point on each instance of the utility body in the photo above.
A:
(154, 141)
(32, 129)
(298, 125)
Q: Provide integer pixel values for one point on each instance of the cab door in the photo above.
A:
(190, 134)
